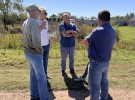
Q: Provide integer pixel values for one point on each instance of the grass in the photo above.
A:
(127, 33)
(14, 69)
(10, 41)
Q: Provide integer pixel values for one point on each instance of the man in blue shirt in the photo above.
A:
(100, 44)
(68, 33)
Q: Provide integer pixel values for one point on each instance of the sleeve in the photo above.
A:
(36, 37)
(92, 36)
(75, 28)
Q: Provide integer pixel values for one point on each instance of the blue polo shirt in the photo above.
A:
(102, 40)
(67, 41)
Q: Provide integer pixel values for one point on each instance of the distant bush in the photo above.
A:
(118, 35)
(84, 30)
(10, 41)
(15, 30)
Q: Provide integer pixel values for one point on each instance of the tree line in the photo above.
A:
(12, 12)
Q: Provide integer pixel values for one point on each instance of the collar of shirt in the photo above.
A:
(67, 27)
(105, 24)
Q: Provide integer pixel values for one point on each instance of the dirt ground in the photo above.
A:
(69, 95)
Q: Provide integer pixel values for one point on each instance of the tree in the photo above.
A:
(22, 17)
(59, 17)
(131, 15)
(81, 18)
(12, 18)
(53, 17)
(93, 18)
(117, 17)
(7, 6)
(74, 17)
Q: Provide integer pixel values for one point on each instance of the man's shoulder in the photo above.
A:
(25, 22)
(32, 21)
(39, 20)
(72, 24)
(61, 24)
(99, 28)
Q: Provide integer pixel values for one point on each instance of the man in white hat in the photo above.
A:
(44, 38)
(33, 53)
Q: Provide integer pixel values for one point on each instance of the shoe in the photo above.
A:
(80, 79)
(72, 71)
(49, 77)
(34, 99)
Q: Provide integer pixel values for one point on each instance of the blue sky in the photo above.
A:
(86, 8)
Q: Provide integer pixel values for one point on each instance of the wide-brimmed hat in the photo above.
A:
(32, 7)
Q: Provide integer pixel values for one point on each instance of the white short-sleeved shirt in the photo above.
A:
(44, 33)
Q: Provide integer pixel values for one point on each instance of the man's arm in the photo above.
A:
(85, 43)
(36, 37)
(90, 38)
(75, 33)
(66, 33)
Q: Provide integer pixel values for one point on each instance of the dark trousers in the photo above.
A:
(45, 56)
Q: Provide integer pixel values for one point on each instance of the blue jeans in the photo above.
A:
(38, 84)
(64, 52)
(45, 56)
(98, 80)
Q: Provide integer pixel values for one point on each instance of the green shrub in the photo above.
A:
(15, 30)
(84, 30)
(10, 41)
(118, 35)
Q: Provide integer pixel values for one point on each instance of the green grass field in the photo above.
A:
(14, 69)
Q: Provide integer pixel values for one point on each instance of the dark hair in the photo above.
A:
(104, 15)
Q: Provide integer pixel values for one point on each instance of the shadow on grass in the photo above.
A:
(109, 97)
(51, 95)
(76, 90)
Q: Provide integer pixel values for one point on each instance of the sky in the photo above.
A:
(86, 8)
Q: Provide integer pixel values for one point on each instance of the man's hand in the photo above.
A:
(75, 34)
(85, 43)
(68, 31)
